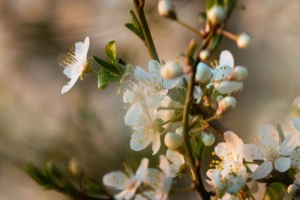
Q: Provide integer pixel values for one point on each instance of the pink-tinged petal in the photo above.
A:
(169, 84)
(140, 140)
(226, 58)
(282, 164)
(231, 138)
(155, 143)
(296, 123)
(289, 144)
(253, 152)
(295, 158)
(268, 136)
(133, 114)
(225, 151)
(128, 96)
(263, 170)
(117, 180)
(141, 172)
(70, 84)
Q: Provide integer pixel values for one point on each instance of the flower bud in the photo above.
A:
(216, 15)
(226, 104)
(244, 40)
(75, 167)
(179, 130)
(203, 74)
(173, 141)
(171, 70)
(239, 73)
(165, 9)
(208, 138)
(293, 190)
(204, 54)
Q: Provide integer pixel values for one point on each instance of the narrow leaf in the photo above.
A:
(128, 70)
(105, 77)
(108, 66)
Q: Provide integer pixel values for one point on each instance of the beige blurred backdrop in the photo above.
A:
(38, 124)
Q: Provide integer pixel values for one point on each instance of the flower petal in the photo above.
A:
(126, 194)
(289, 144)
(295, 158)
(226, 58)
(282, 164)
(176, 160)
(155, 143)
(128, 96)
(70, 84)
(117, 180)
(154, 69)
(170, 83)
(253, 152)
(141, 172)
(133, 114)
(141, 74)
(81, 49)
(140, 140)
(296, 123)
(268, 136)
(164, 166)
(263, 170)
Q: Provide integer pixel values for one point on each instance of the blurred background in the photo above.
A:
(38, 124)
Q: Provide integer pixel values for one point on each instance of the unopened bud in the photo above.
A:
(75, 167)
(171, 70)
(179, 130)
(216, 15)
(226, 104)
(294, 190)
(165, 9)
(244, 40)
(203, 74)
(204, 54)
(208, 138)
(173, 141)
(239, 73)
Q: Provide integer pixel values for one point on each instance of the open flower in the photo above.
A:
(176, 160)
(159, 181)
(226, 64)
(76, 63)
(229, 177)
(270, 149)
(128, 183)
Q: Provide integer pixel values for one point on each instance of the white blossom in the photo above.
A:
(226, 64)
(216, 14)
(244, 40)
(270, 149)
(129, 182)
(176, 160)
(75, 63)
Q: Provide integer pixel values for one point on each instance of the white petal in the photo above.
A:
(153, 101)
(263, 170)
(140, 140)
(197, 92)
(126, 194)
(176, 160)
(282, 164)
(154, 69)
(141, 172)
(226, 58)
(141, 74)
(128, 96)
(66, 88)
(155, 143)
(164, 165)
(153, 177)
(289, 144)
(117, 180)
(295, 158)
(296, 123)
(81, 50)
(169, 84)
(253, 152)
(167, 185)
(133, 114)
(268, 136)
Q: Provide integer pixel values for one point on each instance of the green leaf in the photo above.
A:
(275, 191)
(108, 66)
(105, 77)
(128, 70)
(216, 94)
(198, 149)
(37, 175)
(209, 4)
(279, 129)
(93, 187)
(201, 17)
(216, 41)
(177, 94)
(111, 53)
(185, 83)
(51, 172)
(135, 26)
